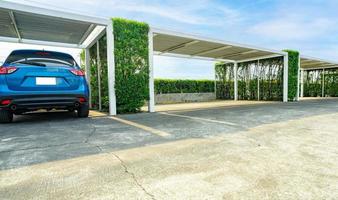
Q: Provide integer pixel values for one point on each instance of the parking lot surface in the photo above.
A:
(259, 151)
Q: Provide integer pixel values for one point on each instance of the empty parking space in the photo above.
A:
(251, 115)
(37, 138)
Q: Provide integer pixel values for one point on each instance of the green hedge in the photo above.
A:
(131, 67)
(270, 80)
(331, 83)
(293, 74)
(225, 80)
(165, 86)
(94, 75)
(131, 64)
(313, 80)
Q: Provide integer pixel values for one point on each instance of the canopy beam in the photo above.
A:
(11, 15)
(212, 51)
(186, 44)
(86, 34)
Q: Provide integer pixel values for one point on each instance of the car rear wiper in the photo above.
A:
(31, 63)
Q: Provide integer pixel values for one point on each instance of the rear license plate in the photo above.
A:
(45, 81)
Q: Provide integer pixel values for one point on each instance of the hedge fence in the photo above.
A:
(293, 74)
(268, 76)
(225, 80)
(166, 86)
(131, 67)
(313, 83)
(131, 64)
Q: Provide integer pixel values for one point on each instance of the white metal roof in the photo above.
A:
(171, 43)
(307, 62)
(34, 25)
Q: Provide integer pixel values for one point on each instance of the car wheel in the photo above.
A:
(83, 111)
(6, 116)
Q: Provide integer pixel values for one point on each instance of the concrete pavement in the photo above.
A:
(275, 151)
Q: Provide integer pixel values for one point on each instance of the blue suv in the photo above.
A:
(31, 80)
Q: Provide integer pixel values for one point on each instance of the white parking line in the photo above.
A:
(200, 119)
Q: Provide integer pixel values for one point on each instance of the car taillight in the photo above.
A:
(7, 70)
(77, 72)
(82, 99)
(6, 102)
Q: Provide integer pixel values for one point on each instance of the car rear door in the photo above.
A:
(37, 77)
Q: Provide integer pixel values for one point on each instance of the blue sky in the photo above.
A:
(308, 26)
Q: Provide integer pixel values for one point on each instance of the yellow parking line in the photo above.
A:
(146, 128)
(200, 119)
(94, 113)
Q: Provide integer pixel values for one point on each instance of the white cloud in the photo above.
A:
(162, 11)
(289, 29)
(195, 12)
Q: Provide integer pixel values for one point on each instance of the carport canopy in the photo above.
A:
(308, 63)
(176, 44)
(171, 43)
(311, 63)
(21, 23)
(33, 25)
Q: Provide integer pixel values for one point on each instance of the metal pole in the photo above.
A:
(111, 68)
(258, 84)
(98, 60)
(323, 84)
(236, 81)
(298, 77)
(215, 84)
(285, 78)
(151, 103)
(302, 83)
(87, 70)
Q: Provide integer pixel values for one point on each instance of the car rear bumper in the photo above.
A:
(34, 102)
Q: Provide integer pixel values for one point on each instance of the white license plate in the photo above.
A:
(45, 81)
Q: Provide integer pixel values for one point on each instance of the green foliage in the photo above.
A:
(131, 67)
(166, 86)
(331, 83)
(293, 74)
(271, 79)
(268, 76)
(131, 64)
(313, 83)
(94, 74)
(225, 80)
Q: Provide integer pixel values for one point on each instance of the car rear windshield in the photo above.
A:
(41, 58)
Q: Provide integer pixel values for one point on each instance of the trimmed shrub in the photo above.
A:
(131, 64)
(131, 67)
(271, 79)
(313, 80)
(331, 83)
(225, 80)
(167, 86)
(293, 74)
(270, 73)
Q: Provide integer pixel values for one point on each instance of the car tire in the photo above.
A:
(6, 116)
(83, 111)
